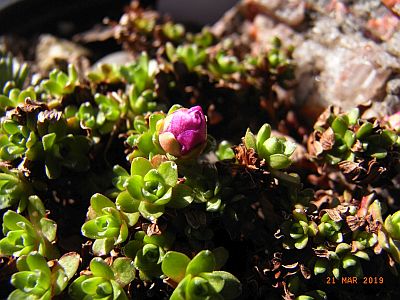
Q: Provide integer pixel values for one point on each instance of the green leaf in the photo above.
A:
(169, 171)
(279, 161)
(99, 201)
(174, 265)
(263, 134)
(48, 228)
(362, 254)
(182, 196)
(214, 280)
(150, 211)
(379, 154)
(301, 243)
(204, 261)
(75, 289)
(272, 145)
(48, 141)
(124, 270)
(140, 166)
(232, 286)
(320, 266)
(36, 209)
(339, 126)
(70, 263)
(101, 269)
(52, 87)
(103, 247)
(90, 285)
(126, 203)
(12, 220)
(250, 140)
(364, 130)
(59, 280)
(349, 261)
(349, 138)
(35, 261)
(353, 116)
(134, 186)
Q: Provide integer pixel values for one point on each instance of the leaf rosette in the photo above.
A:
(105, 282)
(106, 224)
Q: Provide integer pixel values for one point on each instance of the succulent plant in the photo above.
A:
(298, 230)
(198, 278)
(23, 236)
(59, 83)
(189, 54)
(362, 149)
(32, 132)
(144, 139)
(342, 258)
(36, 280)
(149, 188)
(104, 281)
(102, 118)
(14, 189)
(106, 224)
(174, 32)
(330, 229)
(13, 74)
(13, 96)
(276, 151)
(224, 64)
(105, 73)
(141, 76)
(148, 252)
(389, 237)
(225, 151)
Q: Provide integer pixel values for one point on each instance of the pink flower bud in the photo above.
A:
(183, 131)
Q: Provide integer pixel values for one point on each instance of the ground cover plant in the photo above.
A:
(165, 178)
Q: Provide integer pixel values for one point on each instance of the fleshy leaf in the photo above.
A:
(204, 261)
(174, 265)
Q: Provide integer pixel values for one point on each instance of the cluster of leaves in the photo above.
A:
(155, 222)
(364, 150)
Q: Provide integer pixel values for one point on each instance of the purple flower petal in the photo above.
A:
(188, 126)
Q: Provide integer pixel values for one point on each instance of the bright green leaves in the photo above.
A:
(36, 280)
(149, 188)
(107, 225)
(14, 189)
(330, 229)
(389, 236)
(343, 258)
(13, 74)
(276, 151)
(198, 278)
(148, 252)
(174, 265)
(190, 54)
(23, 236)
(354, 145)
(141, 76)
(173, 32)
(298, 230)
(32, 132)
(224, 151)
(59, 83)
(101, 118)
(144, 139)
(105, 282)
(223, 64)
